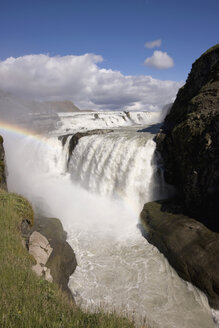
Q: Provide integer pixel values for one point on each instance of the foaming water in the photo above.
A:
(103, 120)
(117, 268)
(130, 276)
(115, 165)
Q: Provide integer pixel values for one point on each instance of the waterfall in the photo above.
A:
(103, 120)
(115, 165)
(98, 200)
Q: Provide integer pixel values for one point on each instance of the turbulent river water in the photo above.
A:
(98, 198)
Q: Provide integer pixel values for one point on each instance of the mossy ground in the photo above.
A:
(26, 300)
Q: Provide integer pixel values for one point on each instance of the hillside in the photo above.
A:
(62, 106)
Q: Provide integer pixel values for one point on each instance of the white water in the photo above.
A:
(115, 165)
(117, 268)
(105, 120)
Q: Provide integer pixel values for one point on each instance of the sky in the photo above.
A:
(122, 48)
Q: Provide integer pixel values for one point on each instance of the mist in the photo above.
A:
(39, 175)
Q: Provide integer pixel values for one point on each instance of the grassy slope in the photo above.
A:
(27, 301)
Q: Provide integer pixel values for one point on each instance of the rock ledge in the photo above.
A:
(191, 248)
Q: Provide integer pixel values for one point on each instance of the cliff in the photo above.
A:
(188, 141)
(2, 166)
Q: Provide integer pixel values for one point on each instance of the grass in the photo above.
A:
(27, 301)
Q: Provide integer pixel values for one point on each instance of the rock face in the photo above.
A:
(189, 141)
(189, 246)
(40, 249)
(2, 166)
(62, 260)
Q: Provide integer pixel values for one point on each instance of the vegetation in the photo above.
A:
(26, 300)
(215, 47)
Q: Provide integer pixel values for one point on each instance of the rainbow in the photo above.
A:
(19, 130)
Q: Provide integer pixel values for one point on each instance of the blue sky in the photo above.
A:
(115, 30)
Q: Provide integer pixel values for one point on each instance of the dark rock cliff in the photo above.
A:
(190, 247)
(189, 142)
(2, 166)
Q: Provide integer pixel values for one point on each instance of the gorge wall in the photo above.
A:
(188, 140)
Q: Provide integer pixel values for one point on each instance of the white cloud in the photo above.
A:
(159, 60)
(79, 79)
(153, 44)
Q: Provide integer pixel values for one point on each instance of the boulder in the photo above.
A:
(41, 250)
(190, 247)
(189, 144)
(39, 247)
(62, 261)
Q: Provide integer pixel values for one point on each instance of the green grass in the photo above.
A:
(27, 301)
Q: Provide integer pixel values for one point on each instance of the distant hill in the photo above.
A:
(40, 116)
(15, 106)
(62, 106)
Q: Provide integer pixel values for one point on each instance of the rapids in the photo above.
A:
(98, 200)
